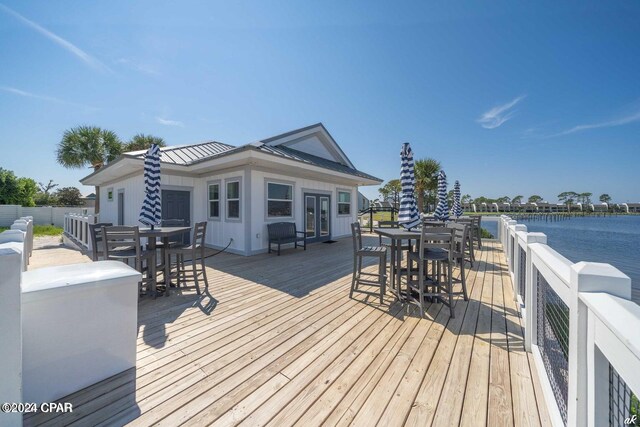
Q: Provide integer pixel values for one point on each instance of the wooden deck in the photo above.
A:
(277, 341)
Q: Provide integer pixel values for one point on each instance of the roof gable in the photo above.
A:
(314, 140)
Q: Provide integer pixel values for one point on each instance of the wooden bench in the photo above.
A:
(281, 233)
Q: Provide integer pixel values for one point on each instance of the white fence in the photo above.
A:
(42, 215)
(582, 328)
(76, 226)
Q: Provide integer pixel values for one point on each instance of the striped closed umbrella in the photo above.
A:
(442, 210)
(151, 212)
(457, 207)
(408, 216)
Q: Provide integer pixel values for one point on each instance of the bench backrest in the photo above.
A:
(388, 224)
(281, 230)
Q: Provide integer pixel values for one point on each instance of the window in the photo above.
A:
(214, 200)
(233, 200)
(279, 200)
(344, 203)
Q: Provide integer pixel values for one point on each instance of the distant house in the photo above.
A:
(301, 176)
(89, 201)
(363, 202)
(630, 207)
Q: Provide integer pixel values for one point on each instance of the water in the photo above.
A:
(613, 239)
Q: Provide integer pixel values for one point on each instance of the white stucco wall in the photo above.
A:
(250, 233)
(340, 224)
(133, 188)
(221, 229)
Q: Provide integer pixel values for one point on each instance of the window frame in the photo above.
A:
(338, 202)
(267, 199)
(219, 200)
(238, 199)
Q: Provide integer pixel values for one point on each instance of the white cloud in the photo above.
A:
(26, 94)
(70, 47)
(168, 122)
(138, 66)
(611, 123)
(497, 116)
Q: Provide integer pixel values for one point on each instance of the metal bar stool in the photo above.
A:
(359, 253)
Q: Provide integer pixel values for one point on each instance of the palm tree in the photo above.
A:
(605, 198)
(143, 142)
(88, 146)
(426, 173)
(535, 199)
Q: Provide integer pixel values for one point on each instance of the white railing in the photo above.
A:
(76, 226)
(581, 326)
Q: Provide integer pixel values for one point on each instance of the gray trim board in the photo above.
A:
(248, 232)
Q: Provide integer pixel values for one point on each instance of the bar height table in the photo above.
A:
(163, 233)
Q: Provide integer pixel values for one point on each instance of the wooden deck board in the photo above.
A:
(278, 341)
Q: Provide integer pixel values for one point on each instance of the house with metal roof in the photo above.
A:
(301, 176)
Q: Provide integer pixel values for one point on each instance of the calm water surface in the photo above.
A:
(612, 239)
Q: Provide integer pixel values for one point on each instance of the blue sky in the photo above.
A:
(512, 97)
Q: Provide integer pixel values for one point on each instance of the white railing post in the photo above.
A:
(515, 263)
(586, 277)
(598, 380)
(509, 235)
(10, 331)
(531, 292)
(500, 222)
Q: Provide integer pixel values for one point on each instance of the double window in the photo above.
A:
(344, 203)
(214, 200)
(233, 199)
(279, 200)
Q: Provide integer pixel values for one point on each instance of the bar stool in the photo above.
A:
(436, 246)
(196, 253)
(359, 253)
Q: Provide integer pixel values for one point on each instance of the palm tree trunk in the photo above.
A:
(96, 208)
(420, 201)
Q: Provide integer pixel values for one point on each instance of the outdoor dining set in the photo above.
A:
(430, 251)
(432, 246)
(177, 241)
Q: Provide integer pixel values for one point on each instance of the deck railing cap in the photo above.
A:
(536, 238)
(520, 227)
(600, 277)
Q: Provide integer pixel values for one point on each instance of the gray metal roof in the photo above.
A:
(314, 160)
(188, 154)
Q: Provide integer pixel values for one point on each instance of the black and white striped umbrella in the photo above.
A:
(442, 210)
(408, 216)
(457, 207)
(151, 212)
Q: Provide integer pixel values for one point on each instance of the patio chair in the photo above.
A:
(95, 234)
(196, 251)
(461, 253)
(476, 230)
(469, 222)
(123, 243)
(359, 253)
(439, 251)
(179, 240)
